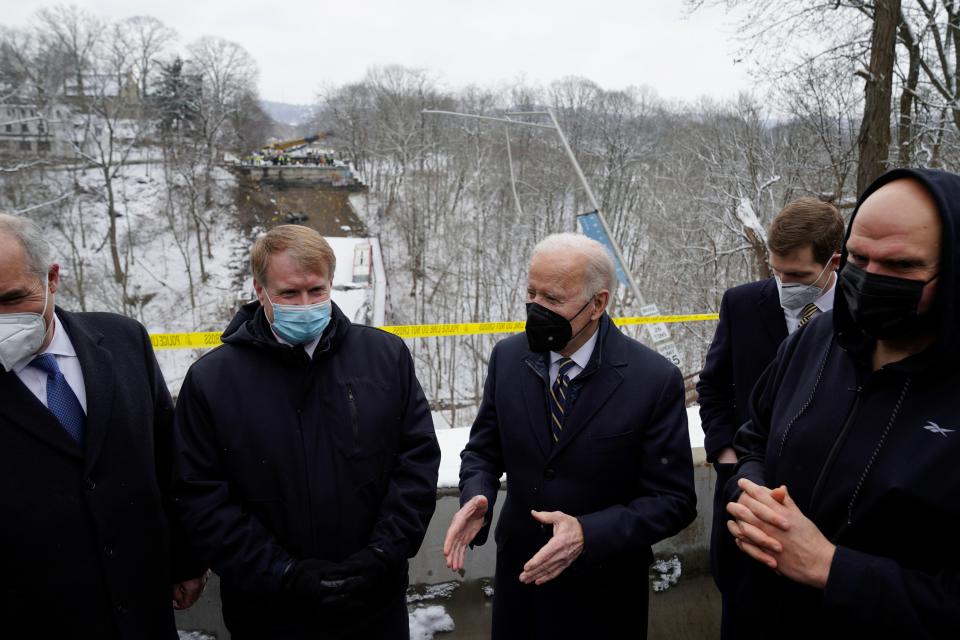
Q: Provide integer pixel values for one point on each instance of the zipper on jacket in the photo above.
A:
(354, 420)
(834, 450)
(803, 408)
(876, 451)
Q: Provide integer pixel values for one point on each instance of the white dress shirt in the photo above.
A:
(824, 303)
(581, 357)
(61, 347)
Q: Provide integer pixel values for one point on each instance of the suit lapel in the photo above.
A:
(533, 390)
(20, 407)
(771, 313)
(98, 378)
(599, 380)
(591, 397)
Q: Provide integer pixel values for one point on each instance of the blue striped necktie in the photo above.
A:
(61, 400)
(559, 393)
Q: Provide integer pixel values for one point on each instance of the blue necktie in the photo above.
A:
(61, 400)
(558, 397)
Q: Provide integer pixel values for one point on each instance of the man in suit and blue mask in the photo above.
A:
(90, 549)
(590, 427)
(306, 460)
(804, 240)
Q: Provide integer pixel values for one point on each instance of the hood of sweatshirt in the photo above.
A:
(944, 187)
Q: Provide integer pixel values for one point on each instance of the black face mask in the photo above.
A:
(884, 307)
(547, 330)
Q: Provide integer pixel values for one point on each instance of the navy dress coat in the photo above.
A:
(85, 534)
(750, 330)
(622, 466)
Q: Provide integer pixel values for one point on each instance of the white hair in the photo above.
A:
(30, 237)
(600, 272)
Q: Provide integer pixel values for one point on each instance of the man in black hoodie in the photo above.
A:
(846, 491)
(306, 460)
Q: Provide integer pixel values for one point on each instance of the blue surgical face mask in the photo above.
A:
(299, 323)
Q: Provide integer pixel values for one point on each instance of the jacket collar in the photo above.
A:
(250, 326)
(96, 363)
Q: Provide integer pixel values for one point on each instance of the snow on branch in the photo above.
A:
(748, 218)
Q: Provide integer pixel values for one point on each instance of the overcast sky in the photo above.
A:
(302, 46)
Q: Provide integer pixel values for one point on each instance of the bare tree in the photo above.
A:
(112, 126)
(74, 35)
(229, 76)
(147, 39)
(874, 136)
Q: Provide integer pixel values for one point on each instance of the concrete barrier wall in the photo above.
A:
(690, 608)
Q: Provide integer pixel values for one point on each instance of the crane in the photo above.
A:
(290, 145)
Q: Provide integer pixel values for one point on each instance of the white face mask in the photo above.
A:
(21, 334)
(796, 295)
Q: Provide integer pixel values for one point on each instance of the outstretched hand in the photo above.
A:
(564, 547)
(464, 527)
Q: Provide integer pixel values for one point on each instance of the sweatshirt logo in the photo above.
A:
(933, 427)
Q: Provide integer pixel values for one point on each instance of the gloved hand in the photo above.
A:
(312, 580)
(360, 572)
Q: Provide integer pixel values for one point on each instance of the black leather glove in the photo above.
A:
(312, 580)
(360, 572)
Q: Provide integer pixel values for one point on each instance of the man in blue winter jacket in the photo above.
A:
(846, 491)
(306, 460)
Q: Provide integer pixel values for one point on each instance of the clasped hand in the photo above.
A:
(331, 583)
(770, 528)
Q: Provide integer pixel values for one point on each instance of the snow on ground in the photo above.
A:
(452, 442)
(665, 573)
(159, 270)
(438, 591)
(694, 428)
(440, 422)
(427, 621)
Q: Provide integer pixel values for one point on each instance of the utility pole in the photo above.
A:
(657, 333)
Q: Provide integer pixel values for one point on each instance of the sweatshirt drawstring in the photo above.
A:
(806, 404)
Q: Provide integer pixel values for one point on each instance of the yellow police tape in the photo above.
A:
(210, 339)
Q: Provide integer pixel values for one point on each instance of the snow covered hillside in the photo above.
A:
(161, 282)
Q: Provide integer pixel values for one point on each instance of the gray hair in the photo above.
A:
(600, 272)
(30, 237)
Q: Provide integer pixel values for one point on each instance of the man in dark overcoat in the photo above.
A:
(804, 243)
(85, 445)
(590, 427)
